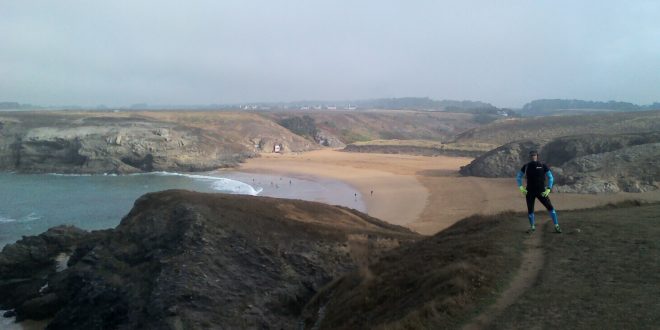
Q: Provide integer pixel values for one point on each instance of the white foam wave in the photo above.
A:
(217, 183)
(6, 220)
(66, 174)
(28, 218)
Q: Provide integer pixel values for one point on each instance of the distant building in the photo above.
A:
(277, 148)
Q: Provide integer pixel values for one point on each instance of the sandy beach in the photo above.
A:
(425, 194)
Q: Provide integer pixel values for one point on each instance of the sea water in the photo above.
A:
(32, 203)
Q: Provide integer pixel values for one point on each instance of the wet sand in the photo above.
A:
(391, 189)
(425, 194)
(316, 189)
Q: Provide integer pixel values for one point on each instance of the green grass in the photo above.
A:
(603, 272)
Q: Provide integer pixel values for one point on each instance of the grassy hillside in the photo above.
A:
(236, 127)
(245, 129)
(437, 283)
(420, 147)
(354, 126)
(505, 131)
(564, 106)
(601, 272)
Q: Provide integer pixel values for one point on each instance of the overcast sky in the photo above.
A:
(200, 52)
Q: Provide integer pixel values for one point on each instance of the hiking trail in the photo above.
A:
(532, 263)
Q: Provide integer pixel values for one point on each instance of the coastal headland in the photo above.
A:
(276, 262)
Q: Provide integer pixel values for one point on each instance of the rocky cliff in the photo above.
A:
(583, 163)
(126, 143)
(503, 161)
(630, 169)
(184, 260)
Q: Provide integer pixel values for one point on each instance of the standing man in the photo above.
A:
(535, 173)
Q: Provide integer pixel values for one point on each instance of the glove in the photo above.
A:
(523, 190)
(546, 192)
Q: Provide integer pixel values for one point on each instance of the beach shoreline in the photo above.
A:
(383, 191)
(298, 186)
(424, 194)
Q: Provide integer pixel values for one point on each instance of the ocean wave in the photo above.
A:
(28, 218)
(69, 174)
(218, 183)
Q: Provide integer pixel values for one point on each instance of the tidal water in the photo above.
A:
(32, 203)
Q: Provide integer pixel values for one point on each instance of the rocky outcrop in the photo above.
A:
(583, 163)
(327, 139)
(631, 169)
(502, 162)
(92, 143)
(99, 145)
(185, 260)
(25, 264)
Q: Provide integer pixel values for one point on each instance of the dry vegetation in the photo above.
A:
(436, 283)
(600, 273)
(419, 148)
(352, 127)
(505, 131)
(241, 127)
(429, 144)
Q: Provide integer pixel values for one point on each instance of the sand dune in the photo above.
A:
(425, 194)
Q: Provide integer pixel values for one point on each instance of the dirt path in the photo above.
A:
(532, 262)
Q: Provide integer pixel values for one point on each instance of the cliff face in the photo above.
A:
(93, 143)
(582, 163)
(110, 145)
(190, 260)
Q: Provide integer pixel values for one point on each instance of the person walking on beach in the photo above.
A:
(535, 173)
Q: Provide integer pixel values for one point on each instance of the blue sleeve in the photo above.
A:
(551, 179)
(519, 177)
